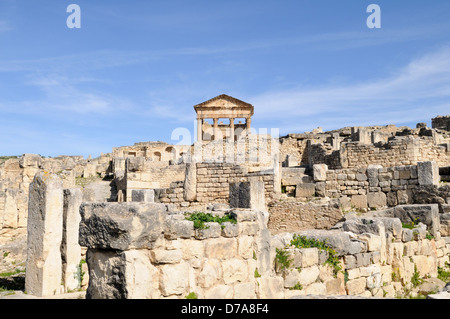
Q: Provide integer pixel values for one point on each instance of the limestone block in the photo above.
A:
(270, 287)
(121, 225)
(335, 286)
(210, 273)
(234, 270)
(320, 172)
(230, 229)
(305, 190)
(428, 173)
(359, 201)
(220, 292)
(392, 225)
(338, 240)
(70, 249)
(162, 256)
(428, 214)
(246, 247)
(310, 257)
(372, 175)
(30, 160)
(308, 275)
(44, 235)
(373, 241)
(178, 228)
(248, 195)
(221, 248)
(356, 286)
(407, 235)
(246, 290)
(316, 288)
(174, 279)
(143, 195)
(11, 211)
(376, 199)
(141, 277)
(135, 164)
(212, 230)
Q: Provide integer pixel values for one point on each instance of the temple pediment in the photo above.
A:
(224, 102)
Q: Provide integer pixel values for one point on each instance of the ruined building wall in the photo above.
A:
(400, 151)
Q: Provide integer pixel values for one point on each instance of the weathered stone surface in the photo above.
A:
(70, 248)
(174, 279)
(359, 201)
(190, 182)
(320, 172)
(428, 173)
(338, 240)
(121, 225)
(44, 235)
(376, 199)
(305, 190)
(247, 195)
(143, 195)
(427, 214)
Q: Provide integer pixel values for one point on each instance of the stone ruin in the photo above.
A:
(377, 196)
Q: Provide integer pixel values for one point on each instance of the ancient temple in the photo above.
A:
(211, 115)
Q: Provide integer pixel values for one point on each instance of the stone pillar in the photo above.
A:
(216, 128)
(248, 122)
(70, 249)
(199, 130)
(231, 129)
(428, 173)
(190, 182)
(44, 235)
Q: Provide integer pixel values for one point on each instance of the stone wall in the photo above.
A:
(377, 258)
(376, 186)
(212, 185)
(397, 152)
(144, 251)
(441, 123)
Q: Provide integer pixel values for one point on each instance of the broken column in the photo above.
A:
(70, 249)
(190, 182)
(44, 235)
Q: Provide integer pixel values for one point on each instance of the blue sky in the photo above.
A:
(134, 69)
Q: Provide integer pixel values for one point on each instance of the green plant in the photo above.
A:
(429, 236)
(200, 218)
(282, 259)
(257, 274)
(297, 286)
(80, 273)
(333, 258)
(443, 274)
(191, 295)
(412, 224)
(5, 254)
(415, 279)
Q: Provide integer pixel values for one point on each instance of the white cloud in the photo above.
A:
(416, 92)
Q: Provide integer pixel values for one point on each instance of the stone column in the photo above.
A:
(216, 128)
(190, 182)
(44, 235)
(70, 249)
(232, 129)
(248, 122)
(199, 130)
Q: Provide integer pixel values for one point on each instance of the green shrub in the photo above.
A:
(191, 295)
(200, 218)
(304, 242)
(282, 259)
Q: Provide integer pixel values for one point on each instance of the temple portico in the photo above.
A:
(219, 109)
